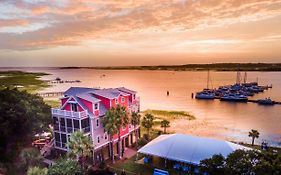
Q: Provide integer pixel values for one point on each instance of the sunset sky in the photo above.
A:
(138, 32)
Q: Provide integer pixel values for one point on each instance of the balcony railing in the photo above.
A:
(136, 106)
(131, 127)
(73, 114)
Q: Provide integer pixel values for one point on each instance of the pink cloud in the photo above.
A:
(75, 21)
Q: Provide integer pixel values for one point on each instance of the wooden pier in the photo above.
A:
(50, 94)
(257, 101)
(253, 101)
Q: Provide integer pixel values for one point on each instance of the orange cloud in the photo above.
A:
(13, 22)
(38, 10)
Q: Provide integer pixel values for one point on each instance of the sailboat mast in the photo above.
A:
(208, 79)
(238, 77)
(245, 78)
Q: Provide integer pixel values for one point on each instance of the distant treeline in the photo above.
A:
(197, 67)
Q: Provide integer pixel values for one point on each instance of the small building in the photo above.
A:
(188, 149)
(82, 109)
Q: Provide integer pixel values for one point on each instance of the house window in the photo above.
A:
(116, 101)
(74, 107)
(63, 138)
(85, 124)
(69, 125)
(76, 125)
(105, 136)
(62, 124)
(98, 139)
(134, 96)
(56, 123)
(96, 106)
(123, 99)
(97, 123)
(57, 139)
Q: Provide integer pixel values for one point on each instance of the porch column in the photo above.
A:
(131, 138)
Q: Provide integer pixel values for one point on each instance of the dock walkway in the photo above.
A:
(50, 94)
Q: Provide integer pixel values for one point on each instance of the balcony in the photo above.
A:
(73, 114)
(135, 107)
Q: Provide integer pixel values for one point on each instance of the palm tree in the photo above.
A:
(122, 120)
(165, 124)
(254, 134)
(135, 120)
(80, 145)
(147, 122)
(109, 124)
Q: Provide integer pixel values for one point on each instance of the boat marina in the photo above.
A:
(238, 92)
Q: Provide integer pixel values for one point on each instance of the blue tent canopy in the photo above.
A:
(187, 148)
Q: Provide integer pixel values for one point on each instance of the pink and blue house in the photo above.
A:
(82, 109)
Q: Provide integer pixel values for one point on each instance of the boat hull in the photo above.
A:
(234, 99)
(204, 98)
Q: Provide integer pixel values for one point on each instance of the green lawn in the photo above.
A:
(22, 80)
(131, 167)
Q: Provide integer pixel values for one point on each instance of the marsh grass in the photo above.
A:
(53, 103)
(170, 115)
(28, 81)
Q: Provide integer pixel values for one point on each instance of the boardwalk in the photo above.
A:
(50, 94)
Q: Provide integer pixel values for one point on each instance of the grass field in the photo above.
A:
(22, 80)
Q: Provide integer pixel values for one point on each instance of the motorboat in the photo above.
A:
(266, 101)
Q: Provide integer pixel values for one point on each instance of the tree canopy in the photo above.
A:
(30, 157)
(243, 162)
(21, 115)
(66, 167)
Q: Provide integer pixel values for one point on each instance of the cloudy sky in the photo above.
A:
(138, 32)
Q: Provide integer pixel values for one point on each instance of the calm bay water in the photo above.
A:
(236, 119)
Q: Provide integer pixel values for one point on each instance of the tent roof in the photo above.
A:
(188, 149)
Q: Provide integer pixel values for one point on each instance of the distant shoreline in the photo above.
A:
(195, 67)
